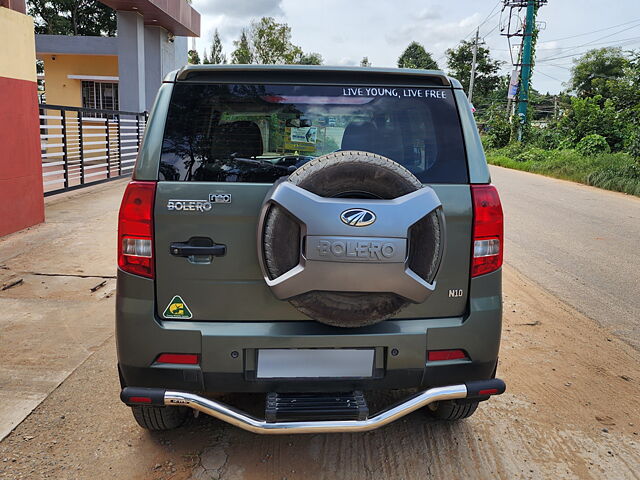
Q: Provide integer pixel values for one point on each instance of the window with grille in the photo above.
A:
(100, 95)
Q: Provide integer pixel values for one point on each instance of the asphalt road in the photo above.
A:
(580, 243)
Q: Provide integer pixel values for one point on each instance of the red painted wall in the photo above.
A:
(21, 196)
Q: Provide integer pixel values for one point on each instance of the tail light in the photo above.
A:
(135, 229)
(487, 230)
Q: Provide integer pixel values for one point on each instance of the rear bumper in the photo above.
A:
(159, 397)
(228, 350)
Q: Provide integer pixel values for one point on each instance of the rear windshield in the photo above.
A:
(259, 133)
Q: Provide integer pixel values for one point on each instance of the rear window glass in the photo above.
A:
(259, 133)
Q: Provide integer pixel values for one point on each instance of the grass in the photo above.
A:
(611, 171)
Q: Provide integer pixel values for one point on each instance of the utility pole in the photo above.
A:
(515, 28)
(527, 60)
(473, 65)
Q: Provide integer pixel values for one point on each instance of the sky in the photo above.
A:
(344, 32)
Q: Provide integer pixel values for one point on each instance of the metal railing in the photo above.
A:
(86, 146)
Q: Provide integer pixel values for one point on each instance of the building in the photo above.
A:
(21, 195)
(58, 147)
(122, 72)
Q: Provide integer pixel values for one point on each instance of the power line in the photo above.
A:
(594, 31)
(576, 54)
(490, 31)
(552, 78)
(487, 18)
(492, 17)
(610, 42)
(557, 66)
(596, 42)
(611, 35)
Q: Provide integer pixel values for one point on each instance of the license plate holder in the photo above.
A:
(315, 363)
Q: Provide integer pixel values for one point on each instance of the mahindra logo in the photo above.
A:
(358, 217)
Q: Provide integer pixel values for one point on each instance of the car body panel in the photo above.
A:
(478, 168)
(141, 336)
(146, 167)
(232, 287)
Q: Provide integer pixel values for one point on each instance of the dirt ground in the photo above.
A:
(571, 410)
(57, 281)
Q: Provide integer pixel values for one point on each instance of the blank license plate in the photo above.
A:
(315, 363)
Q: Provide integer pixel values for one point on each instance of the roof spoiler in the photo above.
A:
(205, 72)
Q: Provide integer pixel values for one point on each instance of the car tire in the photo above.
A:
(451, 410)
(160, 418)
(351, 174)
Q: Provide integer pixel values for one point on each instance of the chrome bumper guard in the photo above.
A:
(481, 389)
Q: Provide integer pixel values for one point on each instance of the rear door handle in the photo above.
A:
(197, 246)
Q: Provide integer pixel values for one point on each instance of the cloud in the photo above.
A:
(347, 62)
(429, 13)
(239, 8)
(433, 34)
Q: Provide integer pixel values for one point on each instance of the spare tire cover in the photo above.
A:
(350, 174)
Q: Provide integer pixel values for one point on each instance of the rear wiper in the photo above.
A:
(259, 161)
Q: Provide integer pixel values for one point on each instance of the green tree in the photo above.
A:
(415, 56)
(243, 53)
(593, 73)
(217, 56)
(459, 61)
(311, 59)
(193, 57)
(593, 116)
(365, 62)
(72, 17)
(271, 42)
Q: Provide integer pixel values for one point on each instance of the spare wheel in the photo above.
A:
(321, 250)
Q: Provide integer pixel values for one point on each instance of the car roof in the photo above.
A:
(203, 72)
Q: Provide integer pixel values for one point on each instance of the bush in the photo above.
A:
(593, 115)
(498, 131)
(634, 144)
(613, 171)
(487, 143)
(531, 154)
(513, 149)
(547, 138)
(632, 141)
(622, 178)
(593, 144)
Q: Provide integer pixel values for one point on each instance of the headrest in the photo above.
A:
(241, 139)
(360, 136)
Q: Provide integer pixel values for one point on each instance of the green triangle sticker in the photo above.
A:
(177, 309)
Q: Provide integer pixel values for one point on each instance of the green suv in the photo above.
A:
(314, 234)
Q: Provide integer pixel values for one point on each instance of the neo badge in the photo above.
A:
(177, 309)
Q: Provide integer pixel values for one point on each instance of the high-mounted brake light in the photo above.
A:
(488, 228)
(135, 229)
